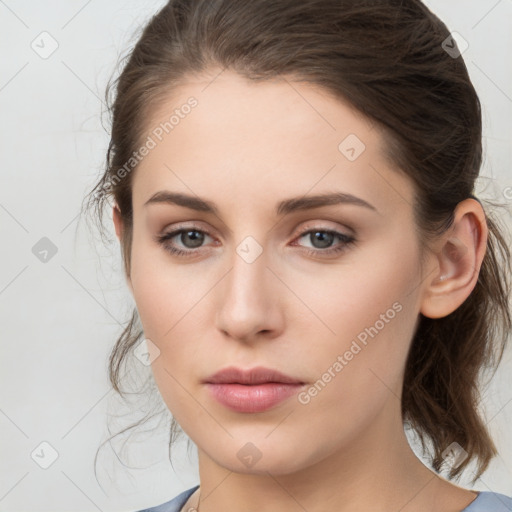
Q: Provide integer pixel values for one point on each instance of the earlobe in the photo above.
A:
(458, 261)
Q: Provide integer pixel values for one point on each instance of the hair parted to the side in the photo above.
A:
(385, 57)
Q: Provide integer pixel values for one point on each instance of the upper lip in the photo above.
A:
(258, 375)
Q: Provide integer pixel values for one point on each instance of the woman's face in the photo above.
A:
(271, 286)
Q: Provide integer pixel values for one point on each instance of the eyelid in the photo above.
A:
(320, 226)
(186, 224)
(197, 225)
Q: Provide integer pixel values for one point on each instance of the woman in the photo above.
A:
(293, 194)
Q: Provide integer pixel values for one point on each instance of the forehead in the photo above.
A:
(246, 139)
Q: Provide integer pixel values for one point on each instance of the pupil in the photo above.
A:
(325, 239)
(196, 240)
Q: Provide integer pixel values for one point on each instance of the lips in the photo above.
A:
(258, 375)
(253, 390)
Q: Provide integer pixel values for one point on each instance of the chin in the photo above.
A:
(260, 457)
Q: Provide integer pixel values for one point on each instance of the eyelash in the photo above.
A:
(347, 241)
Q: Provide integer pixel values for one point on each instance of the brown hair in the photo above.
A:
(386, 58)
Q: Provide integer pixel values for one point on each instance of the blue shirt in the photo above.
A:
(486, 501)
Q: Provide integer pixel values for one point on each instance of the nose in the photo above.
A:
(249, 300)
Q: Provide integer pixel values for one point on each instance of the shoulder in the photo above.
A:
(487, 501)
(175, 504)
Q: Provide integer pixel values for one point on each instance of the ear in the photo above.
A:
(458, 258)
(118, 223)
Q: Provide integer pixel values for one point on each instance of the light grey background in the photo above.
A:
(59, 319)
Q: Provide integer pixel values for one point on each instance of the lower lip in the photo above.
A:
(252, 398)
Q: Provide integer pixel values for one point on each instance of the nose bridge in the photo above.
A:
(248, 300)
(248, 277)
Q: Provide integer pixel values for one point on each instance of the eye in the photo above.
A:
(192, 239)
(322, 240)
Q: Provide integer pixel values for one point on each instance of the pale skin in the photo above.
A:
(246, 147)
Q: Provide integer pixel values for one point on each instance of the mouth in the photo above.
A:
(252, 376)
(250, 391)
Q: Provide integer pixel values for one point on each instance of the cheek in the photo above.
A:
(354, 297)
(164, 292)
(170, 300)
(365, 313)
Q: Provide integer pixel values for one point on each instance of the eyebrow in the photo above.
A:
(282, 208)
